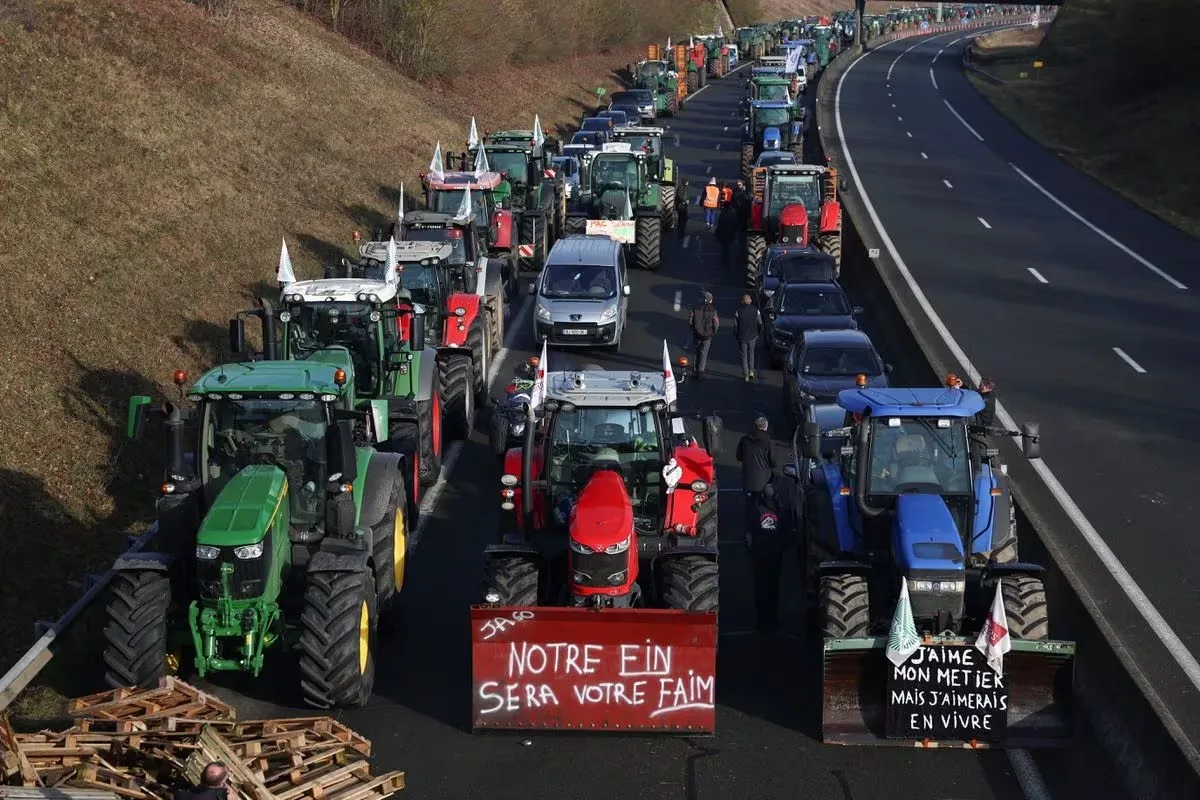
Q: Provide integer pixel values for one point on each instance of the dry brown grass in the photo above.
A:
(1117, 97)
(1013, 37)
(791, 9)
(152, 157)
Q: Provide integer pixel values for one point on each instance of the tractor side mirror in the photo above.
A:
(237, 336)
(340, 455)
(712, 430)
(1031, 441)
(625, 290)
(137, 412)
(417, 334)
(532, 288)
(811, 445)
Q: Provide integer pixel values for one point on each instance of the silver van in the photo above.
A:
(582, 294)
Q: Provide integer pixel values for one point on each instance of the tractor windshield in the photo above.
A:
(315, 326)
(776, 91)
(919, 454)
(289, 434)
(610, 172)
(770, 117)
(653, 69)
(649, 144)
(795, 189)
(448, 201)
(511, 161)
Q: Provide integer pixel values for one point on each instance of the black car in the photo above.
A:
(638, 104)
(792, 264)
(824, 362)
(805, 306)
(619, 118)
(589, 138)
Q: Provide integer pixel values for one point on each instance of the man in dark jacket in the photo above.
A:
(727, 232)
(770, 538)
(704, 324)
(987, 417)
(747, 327)
(681, 209)
(741, 201)
(757, 456)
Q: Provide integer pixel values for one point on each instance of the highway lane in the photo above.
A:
(1091, 338)
(766, 746)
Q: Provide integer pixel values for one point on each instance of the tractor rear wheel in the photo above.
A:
(576, 225)
(702, 77)
(481, 357)
(845, 606)
(457, 388)
(672, 105)
(669, 217)
(413, 440)
(649, 242)
(1025, 607)
(706, 522)
(337, 640)
(747, 160)
(534, 232)
(692, 83)
(756, 248)
(831, 243)
(513, 579)
(690, 583)
(135, 638)
(431, 437)
(797, 149)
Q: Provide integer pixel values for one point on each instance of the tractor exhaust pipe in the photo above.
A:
(860, 490)
(270, 342)
(177, 466)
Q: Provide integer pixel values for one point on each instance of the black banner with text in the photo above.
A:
(946, 692)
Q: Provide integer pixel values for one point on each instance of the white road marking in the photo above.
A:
(974, 132)
(686, 241)
(709, 85)
(708, 170)
(1028, 775)
(679, 294)
(932, 79)
(1037, 275)
(1125, 357)
(726, 127)
(984, 223)
(893, 105)
(900, 119)
(948, 184)
(1161, 628)
(902, 55)
(718, 145)
(924, 156)
(1103, 234)
(908, 134)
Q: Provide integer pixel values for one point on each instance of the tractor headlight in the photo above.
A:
(619, 547)
(609, 314)
(206, 552)
(617, 578)
(699, 486)
(249, 551)
(543, 313)
(581, 549)
(943, 587)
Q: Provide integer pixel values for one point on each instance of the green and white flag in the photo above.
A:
(903, 640)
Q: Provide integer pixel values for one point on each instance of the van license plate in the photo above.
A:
(574, 332)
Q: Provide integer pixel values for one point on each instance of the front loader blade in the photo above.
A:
(864, 699)
(593, 669)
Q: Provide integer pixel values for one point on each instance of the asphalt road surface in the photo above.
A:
(767, 688)
(1079, 304)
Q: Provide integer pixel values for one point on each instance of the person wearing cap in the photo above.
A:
(711, 200)
(987, 417)
(757, 456)
(704, 323)
(747, 326)
(953, 381)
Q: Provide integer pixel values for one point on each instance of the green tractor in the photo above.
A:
(275, 530)
(662, 169)
(660, 78)
(619, 198)
(770, 125)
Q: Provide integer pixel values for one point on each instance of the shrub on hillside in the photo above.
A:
(427, 38)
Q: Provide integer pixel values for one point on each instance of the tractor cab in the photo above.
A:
(646, 140)
(467, 246)
(769, 126)
(616, 178)
(490, 202)
(771, 88)
(788, 201)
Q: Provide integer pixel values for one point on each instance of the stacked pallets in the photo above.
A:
(140, 744)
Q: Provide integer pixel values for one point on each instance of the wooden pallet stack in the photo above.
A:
(140, 744)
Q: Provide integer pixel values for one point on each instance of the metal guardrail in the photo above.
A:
(37, 657)
(974, 70)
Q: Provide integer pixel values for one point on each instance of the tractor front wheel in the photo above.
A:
(692, 82)
(576, 225)
(845, 606)
(135, 638)
(831, 243)
(672, 105)
(690, 583)
(648, 231)
(534, 233)
(389, 547)
(510, 581)
(747, 160)
(457, 387)
(706, 522)
(756, 248)
(337, 639)
(669, 199)
(1026, 608)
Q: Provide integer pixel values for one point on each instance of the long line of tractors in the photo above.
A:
(294, 475)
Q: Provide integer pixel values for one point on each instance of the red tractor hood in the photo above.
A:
(603, 516)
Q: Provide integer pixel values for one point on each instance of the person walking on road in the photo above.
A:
(747, 327)
(741, 201)
(704, 323)
(727, 233)
(681, 210)
(711, 200)
(757, 457)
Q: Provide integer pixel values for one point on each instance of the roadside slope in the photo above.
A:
(152, 159)
(1117, 98)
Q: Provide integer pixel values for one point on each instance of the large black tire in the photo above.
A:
(337, 656)
(672, 105)
(457, 387)
(576, 225)
(481, 357)
(706, 522)
(649, 243)
(513, 578)
(1006, 550)
(845, 607)
(831, 243)
(702, 77)
(692, 82)
(135, 637)
(431, 437)
(669, 216)
(498, 432)
(756, 249)
(407, 438)
(690, 583)
(535, 231)
(389, 547)
(495, 313)
(1026, 608)
(747, 161)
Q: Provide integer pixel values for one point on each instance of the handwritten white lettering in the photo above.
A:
(946, 691)
(491, 627)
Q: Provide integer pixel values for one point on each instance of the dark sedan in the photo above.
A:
(799, 307)
(824, 362)
(792, 264)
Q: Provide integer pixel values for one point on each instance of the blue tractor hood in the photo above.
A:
(926, 537)
(772, 140)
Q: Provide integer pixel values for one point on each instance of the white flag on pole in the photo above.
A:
(668, 47)
(285, 275)
(389, 269)
(465, 208)
(400, 207)
(481, 161)
(538, 395)
(903, 640)
(670, 388)
(472, 135)
(628, 208)
(994, 640)
(437, 164)
(538, 137)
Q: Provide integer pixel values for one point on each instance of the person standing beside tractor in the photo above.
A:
(756, 453)
(747, 327)
(770, 537)
(711, 200)
(704, 324)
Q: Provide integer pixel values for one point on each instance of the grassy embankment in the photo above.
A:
(1117, 96)
(153, 155)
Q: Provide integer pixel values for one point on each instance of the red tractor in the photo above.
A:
(793, 204)
(445, 193)
(609, 535)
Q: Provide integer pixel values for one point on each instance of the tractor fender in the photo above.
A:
(502, 229)
(994, 571)
(452, 334)
(426, 373)
(493, 278)
(382, 471)
(144, 562)
(831, 215)
(844, 567)
(340, 561)
(505, 549)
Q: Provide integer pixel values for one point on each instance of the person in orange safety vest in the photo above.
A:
(711, 199)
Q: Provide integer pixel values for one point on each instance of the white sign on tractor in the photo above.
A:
(623, 230)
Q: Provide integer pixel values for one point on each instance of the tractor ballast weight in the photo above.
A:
(661, 169)
(780, 188)
(620, 199)
(606, 558)
(274, 531)
(905, 496)
(770, 125)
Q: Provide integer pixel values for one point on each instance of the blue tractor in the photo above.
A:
(901, 486)
(770, 125)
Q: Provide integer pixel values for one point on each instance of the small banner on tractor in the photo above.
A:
(623, 230)
(593, 669)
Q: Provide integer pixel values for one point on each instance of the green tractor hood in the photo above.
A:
(246, 508)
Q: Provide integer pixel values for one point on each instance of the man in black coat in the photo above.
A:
(747, 327)
(757, 456)
(771, 535)
(704, 323)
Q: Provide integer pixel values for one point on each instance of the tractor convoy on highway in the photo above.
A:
(295, 473)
